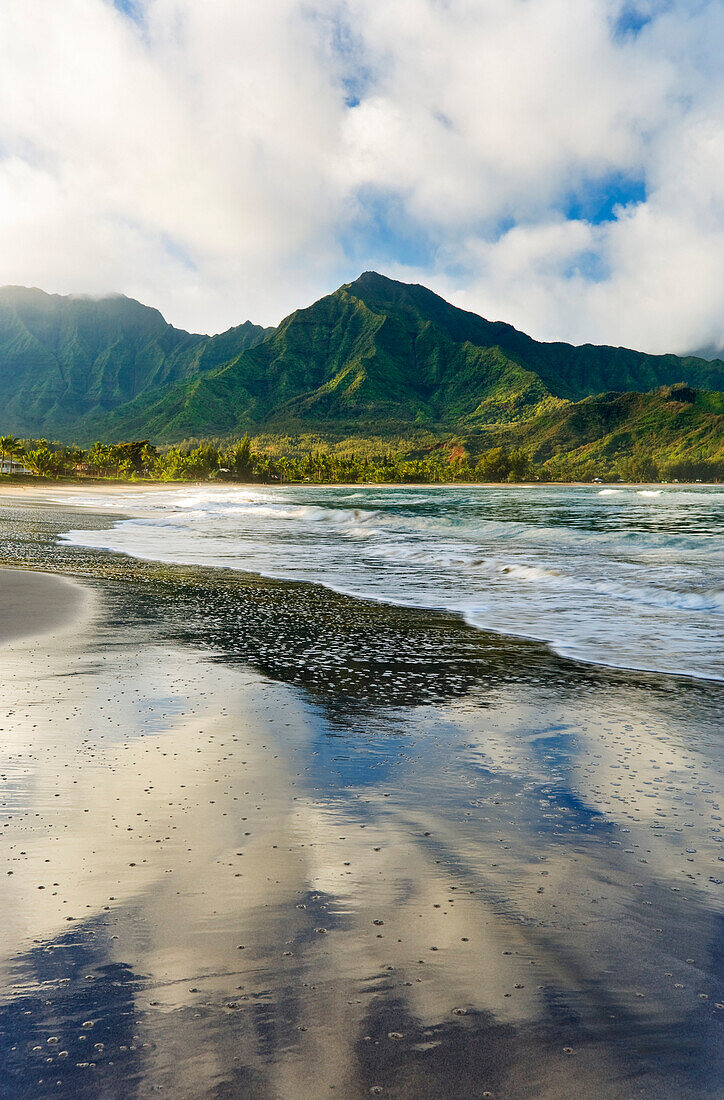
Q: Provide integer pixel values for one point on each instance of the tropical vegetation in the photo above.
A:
(243, 461)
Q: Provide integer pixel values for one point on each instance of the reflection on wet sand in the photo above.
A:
(213, 889)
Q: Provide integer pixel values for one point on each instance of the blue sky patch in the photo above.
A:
(588, 265)
(177, 252)
(383, 233)
(630, 22)
(344, 48)
(596, 201)
(131, 8)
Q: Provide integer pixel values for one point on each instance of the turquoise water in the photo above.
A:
(630, 577)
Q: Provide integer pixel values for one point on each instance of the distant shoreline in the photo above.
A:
(28, 487)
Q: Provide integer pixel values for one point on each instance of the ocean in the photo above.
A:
(626, 576)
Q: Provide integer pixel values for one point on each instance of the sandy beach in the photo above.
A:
(260, 840)
(35, 604)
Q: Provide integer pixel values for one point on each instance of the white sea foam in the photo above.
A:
(609, 580)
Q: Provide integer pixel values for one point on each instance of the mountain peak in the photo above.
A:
(373, 282)
(369, 278)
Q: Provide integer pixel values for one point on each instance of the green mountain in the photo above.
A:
(383, 356)
(63, 359)
(376, 357)
(672, 423)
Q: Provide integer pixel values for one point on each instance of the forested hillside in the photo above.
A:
(66, 359)
(377, 358)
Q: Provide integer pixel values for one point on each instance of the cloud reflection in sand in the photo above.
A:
(283, 916)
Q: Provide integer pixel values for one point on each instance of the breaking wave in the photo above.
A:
(623, 577)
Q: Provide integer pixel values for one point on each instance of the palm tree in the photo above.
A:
(72, 456)
(100, 458)
(44, 462)
(9, 446)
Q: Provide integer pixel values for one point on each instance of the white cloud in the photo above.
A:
(215, 158)
(492, 108)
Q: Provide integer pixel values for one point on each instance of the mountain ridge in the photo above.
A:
(379, 351)
(374, 355)
(66, 357)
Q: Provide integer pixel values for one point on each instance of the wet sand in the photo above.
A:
(264, 841)
(37, 603)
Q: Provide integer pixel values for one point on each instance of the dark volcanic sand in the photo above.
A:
(262, 840)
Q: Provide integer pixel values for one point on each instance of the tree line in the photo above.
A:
(240, 461)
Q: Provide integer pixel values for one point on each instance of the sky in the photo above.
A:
(558, 164)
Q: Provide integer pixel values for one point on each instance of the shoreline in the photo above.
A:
(33, 488)
(508, 634)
